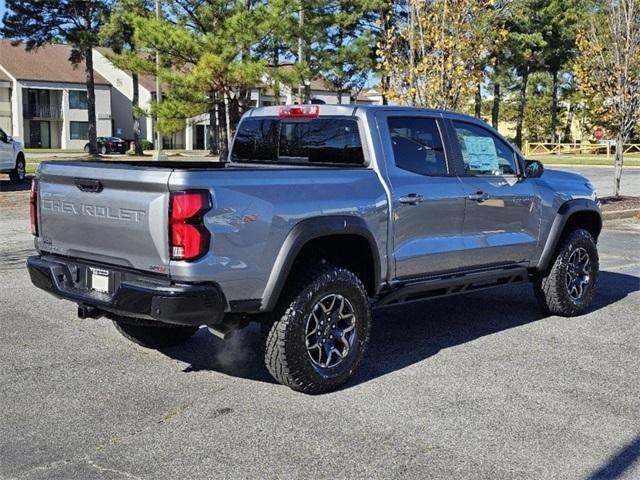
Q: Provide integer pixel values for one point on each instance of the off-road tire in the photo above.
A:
(18, 174)
(550, 287)
(286, 355)
(152, 334)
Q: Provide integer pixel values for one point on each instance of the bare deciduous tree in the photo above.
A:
(609, 70)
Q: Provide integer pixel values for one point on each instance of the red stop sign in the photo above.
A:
(599, 133)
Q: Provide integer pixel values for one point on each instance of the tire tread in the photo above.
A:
(305, 281)
(549, 286)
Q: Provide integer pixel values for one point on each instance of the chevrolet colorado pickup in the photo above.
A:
(321, 214)
(12, 158)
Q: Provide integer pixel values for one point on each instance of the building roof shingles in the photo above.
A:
(45, 64)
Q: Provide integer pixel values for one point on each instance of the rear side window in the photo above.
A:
(417, 146)
(314, 141)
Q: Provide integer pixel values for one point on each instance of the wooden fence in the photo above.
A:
(535, 148)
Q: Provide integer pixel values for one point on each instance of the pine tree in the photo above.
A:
(348, 55)
(208, 61)
(118, 34)
(74, 22)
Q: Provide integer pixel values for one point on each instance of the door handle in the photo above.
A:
(478, 196)
(412, 199)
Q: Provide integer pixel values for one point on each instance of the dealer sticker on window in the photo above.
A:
(481, 153)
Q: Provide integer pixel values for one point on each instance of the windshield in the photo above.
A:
(332, 140)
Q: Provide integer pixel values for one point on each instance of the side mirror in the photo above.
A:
(9, 139)
(533, 169)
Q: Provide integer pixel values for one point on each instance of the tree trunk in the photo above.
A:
(137, 141)
(478, 101)
(495, 109)
(522, 103)
(567, 127)
(236, 109)
(385, 86)
(223, 144)
(227, 116)
(307, 94)
(91, 102)
(339, 96)
(554, 107)
(213, 125)
(618, 161)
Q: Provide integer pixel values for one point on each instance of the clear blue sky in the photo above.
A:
(2, 10)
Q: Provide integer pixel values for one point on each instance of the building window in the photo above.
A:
(79, 130)
(78, 99)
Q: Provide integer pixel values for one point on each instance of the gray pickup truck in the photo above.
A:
(322, 214)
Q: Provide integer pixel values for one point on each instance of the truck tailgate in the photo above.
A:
(114, 214)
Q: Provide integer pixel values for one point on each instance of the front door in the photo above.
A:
(39, 134)
(502, 217)
(427, 198)
(6, 152)
(199, 141)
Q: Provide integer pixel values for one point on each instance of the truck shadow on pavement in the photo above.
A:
(401, 336)
(618, 464)
(7, 186)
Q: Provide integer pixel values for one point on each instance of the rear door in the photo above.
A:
(502, 219)
(427, 197)
(108, 213)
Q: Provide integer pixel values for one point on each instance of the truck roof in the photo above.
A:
(354, 109)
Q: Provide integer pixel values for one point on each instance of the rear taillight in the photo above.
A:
(33, 207)
(188, 237)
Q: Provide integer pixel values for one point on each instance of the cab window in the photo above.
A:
(483, 153)
(317, 141)
(417, 146)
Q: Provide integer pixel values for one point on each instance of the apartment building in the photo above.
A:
(43, 100)
(45, 97)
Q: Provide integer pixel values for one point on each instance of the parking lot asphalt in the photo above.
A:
(481, 386)
(602, 178)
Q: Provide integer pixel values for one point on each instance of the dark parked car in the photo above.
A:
(109, 145)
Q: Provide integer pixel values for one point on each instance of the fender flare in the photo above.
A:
(565, 211)
(300, 235)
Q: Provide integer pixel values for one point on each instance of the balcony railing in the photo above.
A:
(41, 111)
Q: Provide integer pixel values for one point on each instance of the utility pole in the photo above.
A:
(301, 87)
(158, 154)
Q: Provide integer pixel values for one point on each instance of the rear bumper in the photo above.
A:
(134, 295)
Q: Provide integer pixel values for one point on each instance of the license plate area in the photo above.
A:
(100, 280)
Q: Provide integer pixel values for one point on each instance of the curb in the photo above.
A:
(618, 214)
(586, 165)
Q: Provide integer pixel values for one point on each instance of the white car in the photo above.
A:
(12, 158)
